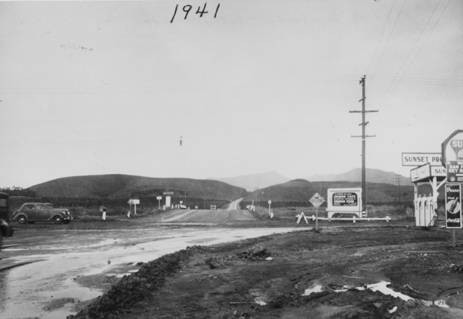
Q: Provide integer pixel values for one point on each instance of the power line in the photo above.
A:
(417, 45)
(386, 39)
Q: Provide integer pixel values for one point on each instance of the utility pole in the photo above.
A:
(399, 195)
(364, 137)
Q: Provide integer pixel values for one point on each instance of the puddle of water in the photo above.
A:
(392, 310)
(13, 249)
(313, 289)
(383, 288)
(259, 297)
(260, 301)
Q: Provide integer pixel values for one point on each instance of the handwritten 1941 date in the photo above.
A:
(200, 11)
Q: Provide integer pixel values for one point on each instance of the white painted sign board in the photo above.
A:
(418, 159)
(168, 201)
(453, 214)
(134, 201)
(438, 171)
(344, 200)
(427, 171)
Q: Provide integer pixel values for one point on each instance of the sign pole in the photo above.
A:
(316, 201)
(316, 219)
(454, 240)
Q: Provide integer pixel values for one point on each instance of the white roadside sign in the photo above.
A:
(133, 201)
(426, 171)
(317, 200)
(418, 159)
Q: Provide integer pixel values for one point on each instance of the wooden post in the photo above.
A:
(316, 219)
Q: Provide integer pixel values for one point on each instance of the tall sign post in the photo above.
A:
(270, 214)
(452, 158)
(316, 200)
(133, 202)
(363, 124)
(159, 198)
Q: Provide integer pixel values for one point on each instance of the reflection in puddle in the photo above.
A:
(383, 288)
(313, 289)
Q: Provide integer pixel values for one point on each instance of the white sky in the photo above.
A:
(109, 87)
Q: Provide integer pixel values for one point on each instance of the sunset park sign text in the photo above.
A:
(418, 159)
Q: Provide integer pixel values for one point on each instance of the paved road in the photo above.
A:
(179, 214)
(66, 265)
(235, 205)
(231, 214)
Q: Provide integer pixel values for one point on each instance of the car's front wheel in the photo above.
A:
(57, 219)
(21, 219)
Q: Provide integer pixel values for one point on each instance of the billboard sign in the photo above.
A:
(454, 172)
(452, 156)
(133, 201)
(420, 173)
(418, 159)
(426, 171)
(438, 171)
(452, 148)
(344, 200)
(168, 201)
(453, 216)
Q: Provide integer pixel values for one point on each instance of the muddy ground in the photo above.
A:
(50, 271)
(299, 275)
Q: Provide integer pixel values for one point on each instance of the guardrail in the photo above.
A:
(354, 219)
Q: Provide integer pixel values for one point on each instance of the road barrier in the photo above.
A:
(354, 219)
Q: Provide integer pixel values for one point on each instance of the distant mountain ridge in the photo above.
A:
(355, 175)
(116, 186)
(255, 181)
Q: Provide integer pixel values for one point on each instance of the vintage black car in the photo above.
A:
(5, 229)
(36, 212)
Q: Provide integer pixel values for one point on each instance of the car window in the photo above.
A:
(28, 206)
(3, 202)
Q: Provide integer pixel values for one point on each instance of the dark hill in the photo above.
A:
(300, 191)
(117, 186)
